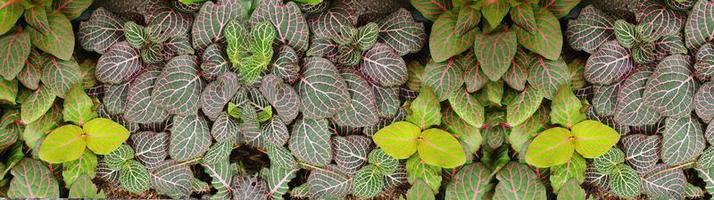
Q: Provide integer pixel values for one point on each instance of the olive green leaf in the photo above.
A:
(590, 30)
(84, 188)
(467, 107)
(399, 139)
(78, 107)
(625, 33)
(682, 140)
(699, 27)
(548, 75)
(72, 9)
(523, 106)
(522, 15)
(8, 91)
(32, 180)
(518, 181)
(607, 162)
(368, 182)
(573, 170)
(63, 144)
(438, 147)
(550, 148)
(432, 9)
(571, 191)
(444, 77)
(420, 191)
(84, 166)
(566, 108)
(495, 51)
(546, 39)
(494, 11)
(134, 177)
(419, 170)
(104, 135)
(593, 138)
(472, 181)
(59, 41)
(16, 49)
(560, 8)
(445, 41)
(425, 109)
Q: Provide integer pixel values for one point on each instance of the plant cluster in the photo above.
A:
(46, 112)
(651, 75)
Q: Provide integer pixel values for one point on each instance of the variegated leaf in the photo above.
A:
(60, 75)
(172, 178)
(523, 16)
(471, 182)
(328, 183)
(101, 31)
(494, 11)
(178, 88)
(118, 64)
(362, 109)
(367, 182)
(682, 140)
(210, 21)
(641, 151)
(660, 19)
(322, 47)
(444, 77)
(177, 45)
(8, 91)
(151, 148)
(281, 157)
(10, 13)
(496, 52)
(384, 66)
(670, 44)
(277, 179)
(609, 64)
(707, 175)
(517, 74)
(217, 94)
(322, 90)
(15, 49)
(276, 132)
(281, 96)
(432, 9)
(624, 182)
(671, 87)
(351, 152)
(134, 177)
(444, 41)
(604, 99)
(467, 107)
(249, 188)
(115, 98)
(329, 23)
(190, 137)
(704, 67)
(221, 178)
(225, 128)
(310, 141)
(547, 75)
(250, 127)
(523, 106)
(630, 108)
(214, 62)
(474, 78)
(288, 21)
(30, 74)
(388, 102)
(116, 159)
(590, 30)
(286, 64)
(105, 173)
(699, 27)
(517, 181)
(547, 39)
(32, 179)
(140, 108)
(401, 32)
(35, 103)
(704, 101)
(58, 40)
(664, 183)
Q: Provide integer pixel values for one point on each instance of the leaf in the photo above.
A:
(178, 87)
(560, 8)
(474, 78)
(550, 148)
(517, 181)
(573, 170)
(471, 182)
(704, 67)
(32, 179)
(399, 139)
(134, 177)
(250, 127)
(167, 22)
(217, 94)
(16, 50)
(276, 132)
(625, 33)
(78, 107)
(114, 100)
(101, 31)
(704, 101)
(140, 108)
(420, 191)
(546, 40)
(118, 64)
(444, 77)
(517, 74)
(115, 159)
(663, 182)
(593, 138)
(328, 183)
(84, 188)
(210, 22)
(214, 62)
(590, 30)
(671, 85)
(417, 170)
(523, 106)
(431, 9)
(401, 32)
(699, 28)
(425, 109)
(571, 191)
(362, 108)
(35, 104)
(322, 90)
(707, 175)
(467, 107)
(63, 144)
(439, 148)
(289, 22)
(219, 152)
(604, 99)
(285, 65)
(60, 75)
(151, 147)
(522, 15)
(104, 135)
(388, 102)
(8, 94)
(385, 163)
(177, 45)
(598, 179)
(10, 13)
(277, 180)
(383, 65)
(310, 141)
(190, 137)
(368, 182)
(495, 51)
(30, 74)
(351, 152)
(682, 140)
(444, 41)
(624, 181)
(281, 157)
(547, 75)
(73, 171)
(565, 108)
(630, 108)
(59, 40)
(609, 64)
(172, 179)
(671, 44)
(642, 151)
(221, 178)
(494, 11)
(72, 8)
(249, 187)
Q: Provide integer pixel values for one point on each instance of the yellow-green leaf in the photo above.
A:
(78, 107)
(63, 144)
(439, 148)
(552, 147)
(426, 111)
(104, 135)
(398, 140)
(593, 138)
(565, 108)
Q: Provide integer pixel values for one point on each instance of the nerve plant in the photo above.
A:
(652, 76)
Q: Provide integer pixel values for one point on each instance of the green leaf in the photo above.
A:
(420, 191)
(671, 87)
(494, 11)
(104, 135)
(625, 33)
(469, 136)
(550, 148)
(699, 27)
(289, 22)
(440, 148)
(322, 90)
(277, 180)
(211, 23)
(467, 107)
(469, 17)
(560, 8)
(566, 108)
(8, 91)
(573, 170)
(63, 144)
(174, 179)
(328, 183)
(362, 109)
(10, 12)
(425, 109)
(642, 151)
(624, 181)
(707, 175)
(16, 50)
(190, 137)
(523, 132)
(593, 138)
(548, 75)
(432, 9)
(547, 39)
(517, 181)
(60, 75)
(135, 35)
(523, 106)
(630, 108)
(368, 182)
(473, 181)
(664, 182)
(495, 52)
(607, 162)
(444, 77)
(134, 177)
(178, 88)
(417, 170)
(84, 166)
(444, 41)
(385, 163)
(59, 41)
(72, 8)
(522, 15)
(84, 188)
(492, 94)
(682, 140)
(384, 65)
(398, 140)
(590, 30)
(310, 141)
(571, 191)
(78, 107)
(281, 157)
(351, 152)
(32, 180)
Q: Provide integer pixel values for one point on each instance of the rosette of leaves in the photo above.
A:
(153, 45)
(250, 50)
(351, 42)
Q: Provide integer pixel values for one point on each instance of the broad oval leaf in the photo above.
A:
(59, 40)
(494, 11)
(547, 39)
(682, 140)
(217, 94)
(101, 31)
(658, 18)
(566, 108)
(172, 179)
(445, 41)
(517, 181)
(523, 106)
(571, 191)
(281, 157)
(496, 52)
(704, 67)
(60, 75)
(249, 187)
(328, 183)
(10, 13)
(276, 132)
(362, 109)
(704, 101)
(432, 9)
(609, 64)
(310, 141)
(351, 152)
(517, 74)
(114, 100)
(425, 109)
(550, 148)
(388, 102)
(443, 77)
(471, 182)
(118, 64)
(593, 138)
(439, 148)
(630, 108)
(140, 108)
(590, 30)
(322, 90)
(547, 76)
(604, 99)
(277, 180)
(642, 151)
(282, 96)
(178, 88)
(151, 147)
(467, 107)
(134, 177)
(16, 50)
(384, 66)
(401, 32)
(78, 107)
(285, 64)
(190, 137)
(32, 180)
(399, 139)
(214, 62)
(30, 74)
(671, 87)
(664, 183)
(35, 104)
(288, 20)
(210, 21)
(699, 27)
(624, 181)
(368, 182)
(115, 159)
(63, 144)
(104, 135)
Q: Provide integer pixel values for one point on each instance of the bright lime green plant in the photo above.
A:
(556, 146)
(434, 146)
(250, 51)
